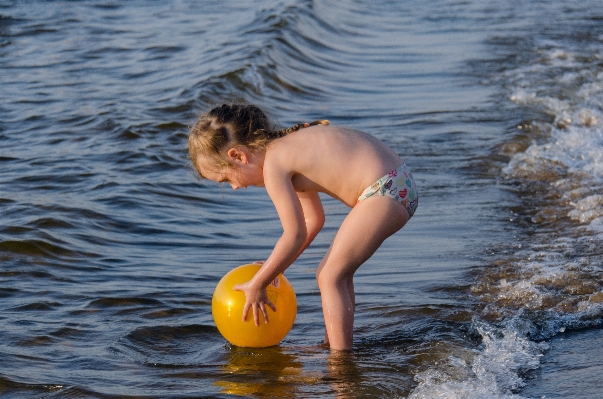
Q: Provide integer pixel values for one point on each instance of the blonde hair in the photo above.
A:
(228, 125)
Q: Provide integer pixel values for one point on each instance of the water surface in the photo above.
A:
(110, 248)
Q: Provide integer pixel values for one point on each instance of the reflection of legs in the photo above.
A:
(368, 224)
(343, 374)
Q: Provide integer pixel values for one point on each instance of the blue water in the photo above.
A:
(110, 248)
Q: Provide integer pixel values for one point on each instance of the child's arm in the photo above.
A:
(293, 210)
(314, 216)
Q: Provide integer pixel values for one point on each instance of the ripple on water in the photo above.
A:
(173, 346)
(14, 389)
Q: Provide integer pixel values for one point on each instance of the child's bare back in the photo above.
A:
(338, 161)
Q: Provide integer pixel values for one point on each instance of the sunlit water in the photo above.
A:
(110, 248)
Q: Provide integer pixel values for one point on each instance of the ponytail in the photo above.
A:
(295, 128)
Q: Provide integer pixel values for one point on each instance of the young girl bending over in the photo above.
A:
(236, 144)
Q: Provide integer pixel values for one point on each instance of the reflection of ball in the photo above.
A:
(227, 309)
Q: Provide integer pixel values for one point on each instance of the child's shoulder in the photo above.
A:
(320, 140)
(331, 130)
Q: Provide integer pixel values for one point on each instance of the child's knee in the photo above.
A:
(328, 279)
(320, 278)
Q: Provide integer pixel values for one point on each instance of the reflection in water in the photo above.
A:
(275, 373)
(263, 373)
(344, 375)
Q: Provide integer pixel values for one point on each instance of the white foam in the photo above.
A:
(544, 284)
(587, 209)
(497, 368)
(574, 154)
(493, 372)
(567, 84)
(577, 149)
(597, 225)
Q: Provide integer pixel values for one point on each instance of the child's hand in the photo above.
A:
(256, 299)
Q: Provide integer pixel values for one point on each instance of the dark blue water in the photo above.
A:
(110, 248)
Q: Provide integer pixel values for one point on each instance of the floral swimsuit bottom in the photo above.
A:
(397, 184)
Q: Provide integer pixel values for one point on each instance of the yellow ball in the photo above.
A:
(227, 309)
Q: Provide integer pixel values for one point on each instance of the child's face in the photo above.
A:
(237, 174)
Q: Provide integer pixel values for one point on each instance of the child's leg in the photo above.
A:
(350, 290)
(352, 300)
(367, 225)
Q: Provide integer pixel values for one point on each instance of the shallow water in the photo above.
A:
(110, 248)
(571, 368)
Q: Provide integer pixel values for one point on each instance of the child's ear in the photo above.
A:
(237, 155)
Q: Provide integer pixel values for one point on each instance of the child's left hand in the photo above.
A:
(256, 299)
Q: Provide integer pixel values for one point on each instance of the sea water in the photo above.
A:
(110, 248)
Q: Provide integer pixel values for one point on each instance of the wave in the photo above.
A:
(269, 52)
(295, 59)
(548, 280)
(565, 83)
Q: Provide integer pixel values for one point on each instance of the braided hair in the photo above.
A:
(229, 125)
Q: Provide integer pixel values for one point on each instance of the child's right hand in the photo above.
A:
(257, 299)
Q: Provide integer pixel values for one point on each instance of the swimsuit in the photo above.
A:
(397, 184)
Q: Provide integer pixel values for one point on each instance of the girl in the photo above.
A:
(236, 144)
